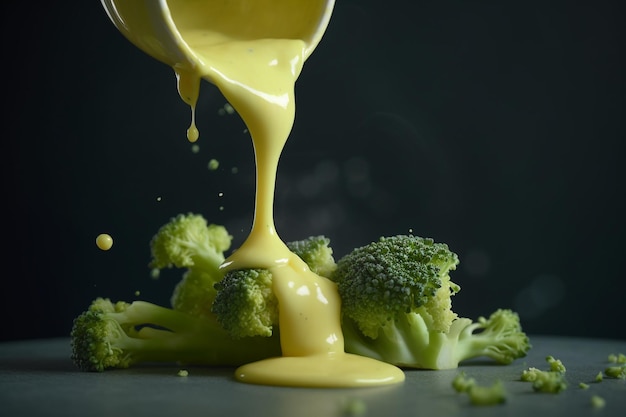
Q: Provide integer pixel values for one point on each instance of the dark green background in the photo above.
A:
(496, 127)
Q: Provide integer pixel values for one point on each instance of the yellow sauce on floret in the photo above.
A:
(257, 77)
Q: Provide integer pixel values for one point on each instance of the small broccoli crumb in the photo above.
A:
(555, 364)
(462, 383)
(552, 385)
(183, 372)
(195, 148)
(597, 401)
(487, 395)
(353, 407)
(618, 372)
(551, 381)
(530, 374)
(479, 394)
(617, 358)
(213, 164)
(582, 385)
(599, 377)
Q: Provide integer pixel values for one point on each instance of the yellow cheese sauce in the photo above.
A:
(257, 77)
(104, 241)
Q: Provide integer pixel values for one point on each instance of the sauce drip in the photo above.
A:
(257, 77)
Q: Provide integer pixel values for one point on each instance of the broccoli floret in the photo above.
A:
(188, 241)
(488, 395)
(555, 364)
(550, 381)
(597, 401)
(617, 358)
(397, 307)
(353, 407)
(479, 394)
(545, 381)
(118, 335)
(245, 303)
(385, 279)
(316, 252)
(462, 383)
(618, 372)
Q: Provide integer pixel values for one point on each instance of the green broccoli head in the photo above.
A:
(97, 341)
(396, 297)
(194, 293)
(316, 252)
(394, 276)
(245, 304)
(188, 241)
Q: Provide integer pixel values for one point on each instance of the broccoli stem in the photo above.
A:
(118, 337)
(207, 261)
(185, 338)
(500, 337)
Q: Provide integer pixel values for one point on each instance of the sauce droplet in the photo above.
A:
(192, 133)
(104, 241)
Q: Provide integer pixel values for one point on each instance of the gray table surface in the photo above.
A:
(37, 378)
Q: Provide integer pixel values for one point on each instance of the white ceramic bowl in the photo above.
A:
(151, 24)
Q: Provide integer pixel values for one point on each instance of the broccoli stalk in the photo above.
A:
(119, 335)
(409, 343)
(396, 307)
(499, 337)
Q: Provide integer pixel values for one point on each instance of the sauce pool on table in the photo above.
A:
(257, 77)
